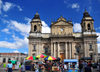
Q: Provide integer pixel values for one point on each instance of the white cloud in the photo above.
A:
(97, 28)
(98, 37)
(28, 20)
(25, 28)
(16, 51)
(75, 5)
(65, 1)
(21, 27)
(20, 9)
(18, 43)
(0, 6)
(5, 21)
(7, 6)
(5, 30)
(25, 53)
(98, 47)
(77, 27)
(5, 15)
(45, 27)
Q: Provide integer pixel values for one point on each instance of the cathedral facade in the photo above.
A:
(62, 41)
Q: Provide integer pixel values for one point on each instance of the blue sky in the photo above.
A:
(15, 16)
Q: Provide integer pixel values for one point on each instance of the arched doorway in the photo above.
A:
(62, 51)
(78, 49)
(4, 60)
(91, 55)
(46, 49)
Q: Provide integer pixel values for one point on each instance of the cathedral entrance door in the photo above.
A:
(62, 56)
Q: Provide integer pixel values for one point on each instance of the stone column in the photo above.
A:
(6, 59)
(73, 50)
(30, 49)
(58, 49)
(96, 52)
(85, 49)
(66, 48)
(52, 52)
(70, 51)
(54, 49)
(37, 49)
(40, 48)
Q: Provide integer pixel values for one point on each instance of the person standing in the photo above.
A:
(22, 69)
(65, 67)
(9, 66)
(99, 67)
(36, 67)
(88, 69)
(80, 67)
(33, 67)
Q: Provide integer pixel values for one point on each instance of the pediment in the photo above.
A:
(62, 23)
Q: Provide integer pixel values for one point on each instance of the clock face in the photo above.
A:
(62, 29)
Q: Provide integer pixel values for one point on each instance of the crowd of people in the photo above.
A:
(57, 66)
(49, 66)
(85, 66)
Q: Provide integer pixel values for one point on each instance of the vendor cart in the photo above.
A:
(72, 65)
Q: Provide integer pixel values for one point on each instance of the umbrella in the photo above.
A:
(13, 61)
(42, 56)
(50, 58)
(31, 58)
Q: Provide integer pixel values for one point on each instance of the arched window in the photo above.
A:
(35, 28)
(34, 47)
(90, 47)
(89, 27)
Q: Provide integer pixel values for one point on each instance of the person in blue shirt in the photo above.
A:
(9, 66)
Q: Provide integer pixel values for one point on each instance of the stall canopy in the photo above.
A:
(70, 60)
(86, 58)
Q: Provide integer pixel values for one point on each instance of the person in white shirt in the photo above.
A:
(65, 67)
(22, 69)
(9, 66)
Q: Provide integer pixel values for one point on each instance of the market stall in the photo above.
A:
(72, 65)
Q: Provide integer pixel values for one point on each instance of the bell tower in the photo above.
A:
(35, 36)
(87, 23)
(89, 37)
(36, 24)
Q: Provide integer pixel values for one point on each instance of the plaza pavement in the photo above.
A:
(4, 70)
